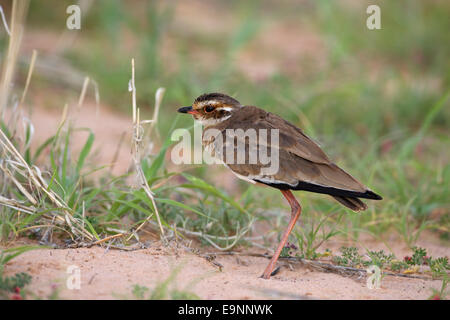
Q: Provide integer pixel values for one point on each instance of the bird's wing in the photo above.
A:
(300, 158)
(291, 138)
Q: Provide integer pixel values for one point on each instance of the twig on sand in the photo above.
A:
(322, 266)
(347, 271)
(134, 233)
(108, 238)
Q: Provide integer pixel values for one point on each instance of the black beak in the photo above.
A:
(185, 109)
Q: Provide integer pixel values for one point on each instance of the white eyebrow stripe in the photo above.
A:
(213, 121)
(225, 108)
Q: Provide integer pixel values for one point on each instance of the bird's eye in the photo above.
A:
(209, 108)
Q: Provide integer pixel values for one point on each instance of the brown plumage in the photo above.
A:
(302, 163)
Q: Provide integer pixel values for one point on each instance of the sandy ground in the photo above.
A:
(111, 274)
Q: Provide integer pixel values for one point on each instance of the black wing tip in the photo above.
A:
(352, 203)
(306, 186)
(372, 195)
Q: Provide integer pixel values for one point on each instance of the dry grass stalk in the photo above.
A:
(147, 139)
(5, 24)
(82, 97)
(209, 238)
(115, 236)
(138, 133)
(83, 92)
(30, 72)
(19, 11)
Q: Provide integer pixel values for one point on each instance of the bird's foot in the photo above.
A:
(266, 275)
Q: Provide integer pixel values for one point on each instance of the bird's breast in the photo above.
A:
(208, 144)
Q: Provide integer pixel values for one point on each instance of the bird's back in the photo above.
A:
(302, 164)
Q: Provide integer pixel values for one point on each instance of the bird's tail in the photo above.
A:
(353, 203)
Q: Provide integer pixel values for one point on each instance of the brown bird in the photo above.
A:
(301, 163)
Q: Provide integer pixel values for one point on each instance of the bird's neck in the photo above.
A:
(207, 123)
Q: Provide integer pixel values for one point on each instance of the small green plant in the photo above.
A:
(419, 256)
(164, 290)
(139, 292)
(11, 287)
(289, 250)
(14, 284)
(350, 257)
(439, 267)
(314, 233)
(398, 266)
(379, 258)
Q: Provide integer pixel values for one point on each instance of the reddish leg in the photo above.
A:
(296, 210)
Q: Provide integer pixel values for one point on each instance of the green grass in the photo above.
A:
(11, 287)
(166, 289)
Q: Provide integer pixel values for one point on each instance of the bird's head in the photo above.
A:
(212, 108)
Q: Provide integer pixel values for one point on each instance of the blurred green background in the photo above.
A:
(376, 100)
